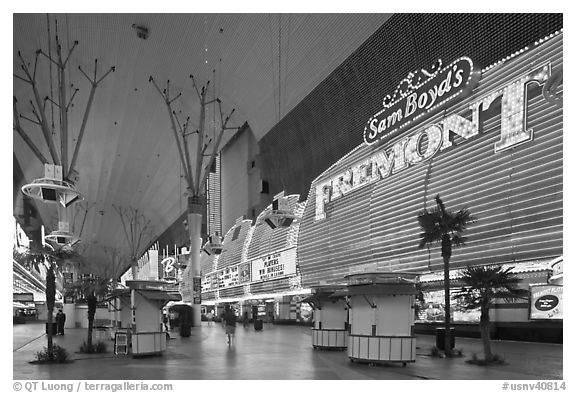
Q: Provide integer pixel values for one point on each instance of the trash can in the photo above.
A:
(54, 328)
(185, 330)
(440, 336)
(257, 324)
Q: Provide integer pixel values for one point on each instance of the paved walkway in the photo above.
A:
(276, 353)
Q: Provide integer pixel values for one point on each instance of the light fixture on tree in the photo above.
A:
(62, 237)
(279, 215)
(59, 237)
(52, 188)
(60, 175)
(213, 245)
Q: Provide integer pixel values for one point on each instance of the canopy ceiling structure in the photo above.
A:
(262, 65)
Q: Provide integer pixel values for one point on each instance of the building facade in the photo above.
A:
(487, 139)
(244, 191)
(485, 133)
(214, 198)
(257, 272)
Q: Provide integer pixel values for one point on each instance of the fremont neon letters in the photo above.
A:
(410, 150)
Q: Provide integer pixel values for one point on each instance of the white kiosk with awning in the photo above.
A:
(330, 329)
(381, 316)
(137, 314)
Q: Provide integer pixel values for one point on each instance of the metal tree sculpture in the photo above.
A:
(136, 229)
(63, 186)
(195, 175)
(112, 266)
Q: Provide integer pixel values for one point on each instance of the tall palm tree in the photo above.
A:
(92, 288)
(481, 286)
(442, 226)
(52, 259)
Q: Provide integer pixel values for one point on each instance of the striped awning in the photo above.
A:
(517, 268)
(376, 289)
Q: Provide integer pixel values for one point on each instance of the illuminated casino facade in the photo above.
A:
(258, 262)
(489, 139)
(497, 151)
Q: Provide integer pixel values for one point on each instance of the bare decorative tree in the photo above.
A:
(85, 207)
(196, 174)
(112, 265)
(55, 127)
(137, 230)
(53, 258)
(38, 108)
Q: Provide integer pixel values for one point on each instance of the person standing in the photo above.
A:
(230, 322)
(60, 320)
(171, 320)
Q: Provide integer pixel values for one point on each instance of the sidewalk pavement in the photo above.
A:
(276, 353)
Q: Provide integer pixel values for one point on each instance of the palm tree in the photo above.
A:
(442, 226)
(92, 288)
(481, 286)
(52, 259)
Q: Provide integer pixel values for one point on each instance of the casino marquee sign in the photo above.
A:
(408, 150)
(419, 94)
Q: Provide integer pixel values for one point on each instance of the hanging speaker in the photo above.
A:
(49, 194)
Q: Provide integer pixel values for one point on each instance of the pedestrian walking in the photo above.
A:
(245, 320)
(165, 321)
(60, 320)
(230, 322)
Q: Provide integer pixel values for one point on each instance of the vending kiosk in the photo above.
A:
(330, 330)
(381, 317)
(138, 319)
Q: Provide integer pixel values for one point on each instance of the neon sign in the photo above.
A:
(276, 265)
(546, 302)
(168, 264)
(419, 94)
(228, 277)
(430, 139)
